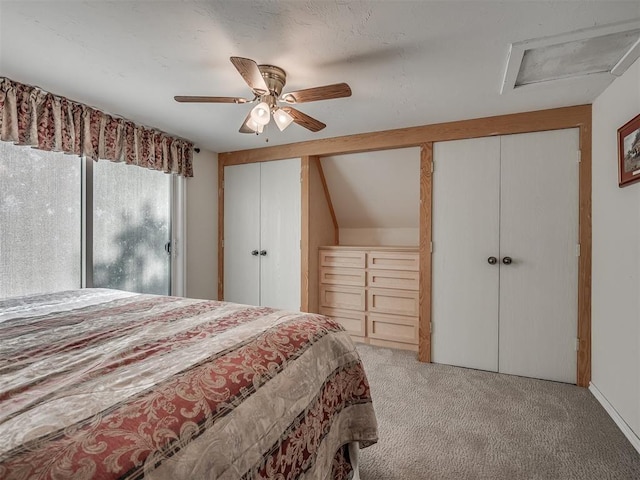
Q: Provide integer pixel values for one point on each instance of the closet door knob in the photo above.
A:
(507, 260)
(492, 260)
(263, 253)
(254, 253)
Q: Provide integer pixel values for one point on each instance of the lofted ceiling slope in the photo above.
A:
(408, 62)
(375, 189)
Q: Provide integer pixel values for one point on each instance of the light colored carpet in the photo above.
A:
(441, 422)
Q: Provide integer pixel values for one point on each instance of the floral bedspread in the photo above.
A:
(106, 384)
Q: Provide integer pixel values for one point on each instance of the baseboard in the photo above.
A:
(622, 425)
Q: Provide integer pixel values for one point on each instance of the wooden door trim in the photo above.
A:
(220, 230)
(584, 261)
(541, 120)
(305, 163)
(426, 196)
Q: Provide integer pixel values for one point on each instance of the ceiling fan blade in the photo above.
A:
(251, 74)
(337, 90)
(196, 99)
(304, 120)
(245, 125)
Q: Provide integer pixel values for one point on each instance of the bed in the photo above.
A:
(99, 383)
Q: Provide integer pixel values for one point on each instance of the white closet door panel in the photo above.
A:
(465, 234)
(280, 234)
(242, 233)
(539, 231)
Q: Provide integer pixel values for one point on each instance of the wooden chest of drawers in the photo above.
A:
(372, 292)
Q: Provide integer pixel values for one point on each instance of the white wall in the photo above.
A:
(406, 237)
(202, 227)
(616, 256)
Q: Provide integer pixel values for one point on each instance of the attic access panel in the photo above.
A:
(602, 51)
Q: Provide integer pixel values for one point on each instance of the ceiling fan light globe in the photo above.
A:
(251, 124)
(282, 119)
(260, 114)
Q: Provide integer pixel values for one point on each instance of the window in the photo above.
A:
(40, 220)
(129, 227)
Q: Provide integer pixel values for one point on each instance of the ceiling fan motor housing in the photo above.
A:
(274, 77)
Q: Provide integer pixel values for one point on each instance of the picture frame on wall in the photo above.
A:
(629, 152)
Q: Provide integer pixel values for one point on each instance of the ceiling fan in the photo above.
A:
(266, 83)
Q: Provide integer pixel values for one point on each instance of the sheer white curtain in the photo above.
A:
(40, 221)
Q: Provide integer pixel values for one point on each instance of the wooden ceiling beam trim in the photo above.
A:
(540, 120)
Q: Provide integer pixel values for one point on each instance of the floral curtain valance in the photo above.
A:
(31, 116)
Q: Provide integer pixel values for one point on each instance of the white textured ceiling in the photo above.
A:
(407, 62)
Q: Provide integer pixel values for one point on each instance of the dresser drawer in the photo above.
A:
(393, 261)
(338, 296)
(406, 280)
(342, 258)
(400, 302)
(342, 276)
(353, 322)
(393, 328)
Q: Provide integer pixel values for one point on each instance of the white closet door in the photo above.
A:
(242, 233)
(280, 234)
(539, 231)
(466, 195)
